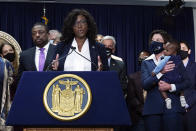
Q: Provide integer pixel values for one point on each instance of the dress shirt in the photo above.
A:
(37, 53)
(109, 59)
(75, 62)
(159, 75)
(185, 63)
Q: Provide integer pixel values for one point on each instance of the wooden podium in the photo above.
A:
(107, 110)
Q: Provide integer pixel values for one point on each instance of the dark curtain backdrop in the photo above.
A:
(130, 25)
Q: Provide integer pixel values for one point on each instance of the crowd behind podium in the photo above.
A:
(80, 44)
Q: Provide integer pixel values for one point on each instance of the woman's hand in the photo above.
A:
(55, 63)
(164, 86)
(168, 67)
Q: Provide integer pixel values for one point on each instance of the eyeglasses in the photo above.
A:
(81, 22)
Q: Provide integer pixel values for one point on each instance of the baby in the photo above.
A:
(170, 54)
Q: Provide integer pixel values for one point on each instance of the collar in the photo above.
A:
(186, 62)
(109, 61)
(152, 57)
(74, 43)
(46, 47)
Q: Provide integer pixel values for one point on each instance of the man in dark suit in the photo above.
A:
(190, 93)
(39, 57)
(54, 36)
(115, 63)
(136, 96)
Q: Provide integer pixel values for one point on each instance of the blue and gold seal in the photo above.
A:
(67, 97)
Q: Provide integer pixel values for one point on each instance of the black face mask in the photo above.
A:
(108, 52)
(9, 56)
(183, 54)
(156, 47)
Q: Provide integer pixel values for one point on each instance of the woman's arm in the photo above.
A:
(148, 81)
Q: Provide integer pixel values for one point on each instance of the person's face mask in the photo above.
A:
(156, 47)
(9, 56)
(108, 52)
(183, 54)
(51, 41)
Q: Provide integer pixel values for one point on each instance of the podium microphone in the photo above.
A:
(73, 49)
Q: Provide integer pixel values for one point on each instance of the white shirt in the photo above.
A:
(37, 53)
(75, 62)
(153, 57)
(109, 59)
(185, 62)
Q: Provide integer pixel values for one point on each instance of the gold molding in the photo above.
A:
(5, 36)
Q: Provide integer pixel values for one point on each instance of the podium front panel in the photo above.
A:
(108, 107)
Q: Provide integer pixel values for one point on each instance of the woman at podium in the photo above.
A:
(78, 50)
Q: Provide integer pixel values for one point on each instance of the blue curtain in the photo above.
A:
(130, 25)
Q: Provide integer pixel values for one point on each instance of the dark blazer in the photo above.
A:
(154, 103)
(135, 98)
(190, 93)
(27, 59)
(119, 66)
(96, 50)
(190, 96)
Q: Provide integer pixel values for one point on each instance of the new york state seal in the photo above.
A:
(67, 97)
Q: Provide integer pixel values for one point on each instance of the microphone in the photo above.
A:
(73, 49)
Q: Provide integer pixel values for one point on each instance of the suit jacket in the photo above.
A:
(155, 103)
(27, 59)
(135, 98)
(119, 67)
(190, 93)
(96, 50)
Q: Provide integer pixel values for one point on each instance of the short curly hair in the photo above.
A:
(69, 21)
(175, 45)
(41, 24)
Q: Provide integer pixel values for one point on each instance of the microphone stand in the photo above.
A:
(48, 67)
(73, 48)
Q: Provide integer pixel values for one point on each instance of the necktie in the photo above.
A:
(41, 59)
